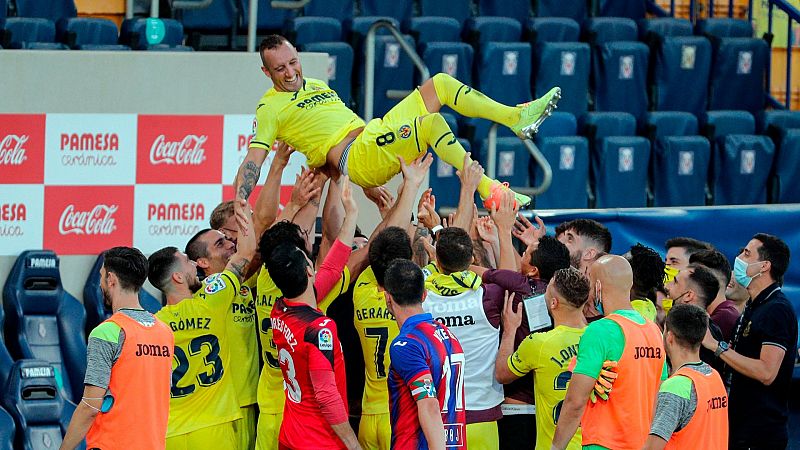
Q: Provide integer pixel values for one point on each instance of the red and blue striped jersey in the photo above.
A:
(424, 347)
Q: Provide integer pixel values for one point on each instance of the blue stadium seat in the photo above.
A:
(43, 46)
(480, 30)
(393, 71)
(269, 18)
(218, 17)
(553, 29)
(739, 67)
(33, 398)
(435, 29)
(444, 181)
(721, 123)
(601, 30)
(661, 124)
(632, 9)
(564, 64)
(511, 160)
(784, 129)
(24, 30)
(457, 9)
(451, 120)
(398, 9)
(340, 67)
(574, 9)
(80, 31)
(7, 431)
(359, 26)
(620, 77)
(680, 73)
(341, 10)
(54, 10)
(561, 123)
(519, 10)
(768, 122)
(133, 33)
(3, 11)
(307, 30)
(169, 48)
(619, 167)
(452, 58)
(680, 170)
(106, 48)
(43, 321)
(5, 357)
(598, 125)
(725, 28)
(742, 165)
(664, 26)
(568, 156)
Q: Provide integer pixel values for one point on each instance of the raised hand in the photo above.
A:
(306, 187)
(282, 153)
(348, 202)
(504, 214)
(526, 232)
(415, 172)
(470, 174)
(512, 317)
(487, 230)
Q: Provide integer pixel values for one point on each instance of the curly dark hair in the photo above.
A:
(648, 271)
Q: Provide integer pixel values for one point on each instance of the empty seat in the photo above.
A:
(53, 10)
(7, 430)
(784, 129)
(80, 31)
(660, 124)
(725, 28)
(398, 9)
(41, 414)
(43, 321)
(307, 30)
(106, 48)
(564, 64)
(619, 167)
(576, 10)
(609, 29)
(560, 123)
(457, 9)
(393, 72)
(737, 74)
(452, 58)
(219, 16)
(338, 9)
(269, 18)
(435, 29)
(511, 160)
(169, 48)
(769, 122)
(632, 9)
(340, 67)
(133, 33)
(519, 10)
(721, 123)
(5, 357)
(43, 46)
(680, 170)
(20, 31)
(742, 165)
(568, 156)
(444, 181)
(664, 26)
(620, 77)
(553, 29)
(680, 74)
(359, 26)
(481, 30)
(598, 125)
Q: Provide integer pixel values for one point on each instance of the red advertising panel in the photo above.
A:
(22, 148)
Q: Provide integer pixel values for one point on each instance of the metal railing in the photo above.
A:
(252, 20)
(491, 163)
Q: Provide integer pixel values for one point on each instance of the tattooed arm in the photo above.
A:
(245, 244)
(249, 172)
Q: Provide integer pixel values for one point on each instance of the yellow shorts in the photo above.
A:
(373, 154)
(483, 436)
(211, 438)
(269, 427)
(375, 432)
(245, 428)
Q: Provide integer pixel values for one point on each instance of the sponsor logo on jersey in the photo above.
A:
(214, 284)
(404, 131)
(325, 338)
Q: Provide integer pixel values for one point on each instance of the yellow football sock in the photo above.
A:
(471, 103)
(434, 131)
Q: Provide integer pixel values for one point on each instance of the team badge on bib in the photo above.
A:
(325, 338)
(404, 131)
(214, 284)
(244, 291)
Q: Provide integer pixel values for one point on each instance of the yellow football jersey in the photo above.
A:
(376, 328)
(548, 356)
(202, 392)
(270, 383)
(311, 120)
(243, 342)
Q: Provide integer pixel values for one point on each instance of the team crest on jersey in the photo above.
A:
(325, 338)
(404, 131)
(214, 284)
(244, 291)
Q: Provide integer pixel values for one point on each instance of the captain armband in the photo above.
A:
(421, 390)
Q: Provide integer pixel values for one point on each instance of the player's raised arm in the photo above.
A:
(266, 209)
(245, 244)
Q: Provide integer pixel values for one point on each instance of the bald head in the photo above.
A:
(611, 277)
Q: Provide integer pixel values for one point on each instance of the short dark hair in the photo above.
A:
(705, 282)
(128, 264)
(391, 243)
(404, 282)
(287, 268)
(195, 249)
(589, 229)
(648, 270)
(270, 42)
(573, 285)
(550, 256)
(220, 214)
(453, 250)
(691, 245)
(688, 323)
(160, 267)
(280, 233)
(714, 260)
(774, 250)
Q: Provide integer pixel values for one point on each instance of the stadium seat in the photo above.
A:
(5, 357)
(33, 398)
(560, 123)
(564, 64)
(24, 30)
(219, 17)
(739, 67)
(721, 123)
(601, 30)
(457, 9)
(680, 73)
(269, 18)
(80, 31)
(511, 160)
(725, 28)
(3, 11)
(620, 77)
(568, 156)
(435, 29)
(398, 9)
(480, 30)
(341, 10)
(307, 30)
(133, 33)
(598, 125)
(784, 129)
(632, 9)
(7, 430)
(169, 48)
(43, 46)
(43, 321)
(444, 181)
(619, 167)
(768, 122)
(680, 170)
(574, 9)
(53, 10)
(742, 165)
(553, 29)
(661, 124)
(340, 67)
(106, 48)
(452, 58)
(393, 71)
(664, 26)
(359, 26)
(520, 10)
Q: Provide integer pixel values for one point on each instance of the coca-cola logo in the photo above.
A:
(98, 221)
(12, 150)
(188, 151)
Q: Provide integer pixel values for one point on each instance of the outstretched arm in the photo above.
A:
(266, 210)
(246, 242)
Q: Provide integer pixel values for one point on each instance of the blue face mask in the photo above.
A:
(740, 272)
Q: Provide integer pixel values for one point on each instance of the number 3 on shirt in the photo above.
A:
(290, 384)
(454, 366)
(206, 378)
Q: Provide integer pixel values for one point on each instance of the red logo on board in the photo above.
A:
(22, 148)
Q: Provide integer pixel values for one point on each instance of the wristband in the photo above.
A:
(436, 229)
